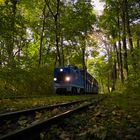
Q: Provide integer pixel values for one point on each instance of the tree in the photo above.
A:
(117, 24)
(54, 10)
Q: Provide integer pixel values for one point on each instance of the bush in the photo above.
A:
(133, 83)
(21, 82)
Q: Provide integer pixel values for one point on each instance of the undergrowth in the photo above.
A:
(25, 83)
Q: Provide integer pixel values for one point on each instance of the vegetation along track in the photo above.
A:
(32, 131)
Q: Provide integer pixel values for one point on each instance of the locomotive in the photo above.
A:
(71, 79)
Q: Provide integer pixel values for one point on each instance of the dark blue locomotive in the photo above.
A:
(70, 79)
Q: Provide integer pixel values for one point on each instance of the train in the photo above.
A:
(70, 79)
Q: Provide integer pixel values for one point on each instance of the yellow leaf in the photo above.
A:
(113, 112)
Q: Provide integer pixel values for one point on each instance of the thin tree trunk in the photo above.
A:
(120, 53)
(121, 62)
(114, 76)
(57, 38)
(83, 50)
(57, 41)
(0, 58)
(11, 42)
(117, 61)
(41, 36)
(124, 38)
(63, 57)
(108, 85)
(83, 58)
(138, 42)
(128, 28)
(114, 73)
(125, 57)
(130, 37)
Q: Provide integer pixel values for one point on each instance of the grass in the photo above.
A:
(117, 117)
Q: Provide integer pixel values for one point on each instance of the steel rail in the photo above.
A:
(11, 115)
(32, 132)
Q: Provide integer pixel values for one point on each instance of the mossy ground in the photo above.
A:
(115, 118)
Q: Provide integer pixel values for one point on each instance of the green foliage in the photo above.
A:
(25, 83)
(76, 22)
(29, 32)
(133, 83)
(120, 26)
(100, 69)
(22, 34)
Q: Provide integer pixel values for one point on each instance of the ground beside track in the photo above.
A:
(14, 104)
(115, 118)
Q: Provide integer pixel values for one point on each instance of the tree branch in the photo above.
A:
(47, 3)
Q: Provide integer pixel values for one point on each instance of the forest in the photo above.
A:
(38, 35)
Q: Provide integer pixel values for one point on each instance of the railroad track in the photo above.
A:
(32, 131)
(16, 114)
(19, 119)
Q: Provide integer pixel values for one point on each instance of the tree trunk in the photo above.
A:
(62, 48)
(130, 36)
(57, 43)
(0, 58)
(120, 63)
(138, 42)
(83, 50)
(124, 38)
(57, 38)
(83, 58)
(128, 28)
(114, 73)
(125, 57)
(41, 37)
(11, 41)
(108, 84)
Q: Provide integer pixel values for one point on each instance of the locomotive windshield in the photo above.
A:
(62, 75)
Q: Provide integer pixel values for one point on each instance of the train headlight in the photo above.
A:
(67, 78)
(61, 70)
(55, 79)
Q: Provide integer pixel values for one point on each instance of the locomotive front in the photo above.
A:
(62, 80)
(68, 79)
